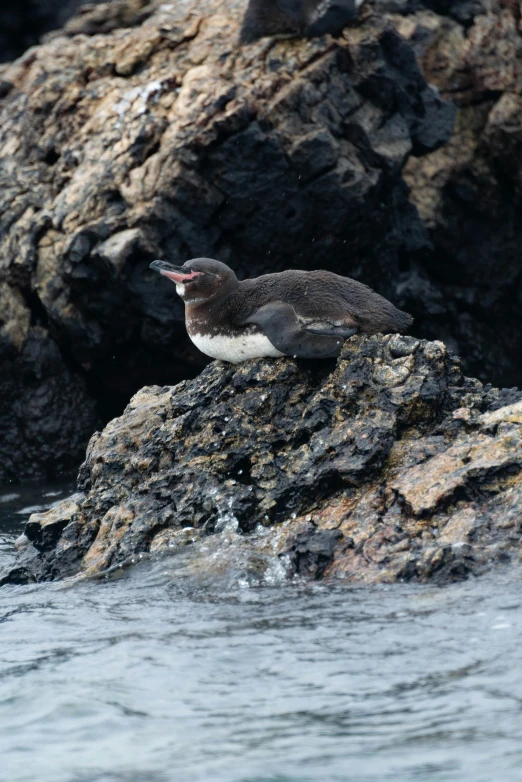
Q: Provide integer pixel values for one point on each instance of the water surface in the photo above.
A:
(168, 675)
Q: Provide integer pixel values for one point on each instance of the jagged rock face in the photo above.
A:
(46, 414)
(387, 465)
(145, 131)
(469, 193)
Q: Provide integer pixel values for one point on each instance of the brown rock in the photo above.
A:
(143, 130)
(321, 467)
(469, 191)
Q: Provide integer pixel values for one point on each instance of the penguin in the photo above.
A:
(304, 314)
(287, 18)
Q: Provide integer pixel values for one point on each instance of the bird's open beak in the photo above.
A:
(175, 273)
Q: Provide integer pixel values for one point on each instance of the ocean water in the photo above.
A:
(175, 672)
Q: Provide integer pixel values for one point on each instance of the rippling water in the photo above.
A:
(166, 676)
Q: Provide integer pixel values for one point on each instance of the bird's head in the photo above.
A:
(199, 279)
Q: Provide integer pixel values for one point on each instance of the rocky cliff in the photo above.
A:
(142, 130)
(127, 138)
(386, 465)
(469, 193)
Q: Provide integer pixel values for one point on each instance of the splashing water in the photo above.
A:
(207, 665)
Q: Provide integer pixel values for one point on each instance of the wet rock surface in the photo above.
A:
(143, 130)
(386, 465)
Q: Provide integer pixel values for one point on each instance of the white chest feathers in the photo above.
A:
(235, 349)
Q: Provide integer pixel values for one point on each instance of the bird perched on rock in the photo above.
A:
(291, 313)
(287, 18)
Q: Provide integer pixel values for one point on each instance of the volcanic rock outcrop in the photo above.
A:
(469, 194)
(387, 465)
(143, 130)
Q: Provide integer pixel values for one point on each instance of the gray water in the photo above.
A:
(170, 675)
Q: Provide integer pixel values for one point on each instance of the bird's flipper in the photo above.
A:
(279, 322)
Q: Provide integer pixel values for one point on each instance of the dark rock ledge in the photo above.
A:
(387, 465)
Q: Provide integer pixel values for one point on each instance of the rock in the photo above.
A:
(46, 416)
(312, 551)
(302, 17)
(463, 11)
(23, 22)
(103, 17)
(142, 130)
(469, 193)
(328, 466)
